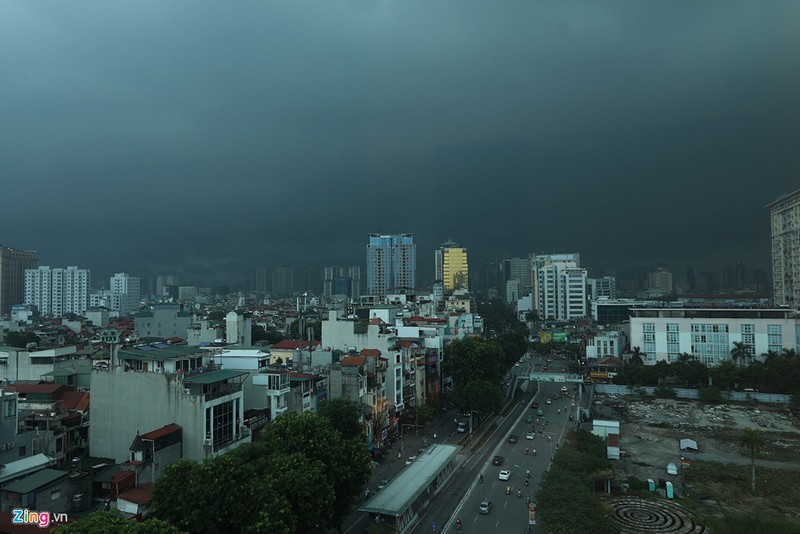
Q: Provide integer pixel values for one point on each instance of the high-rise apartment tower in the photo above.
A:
(785, 231)
(391, 263)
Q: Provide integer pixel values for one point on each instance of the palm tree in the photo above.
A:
(637, 356)
(740, 352)
(751, 439)
(790, 353)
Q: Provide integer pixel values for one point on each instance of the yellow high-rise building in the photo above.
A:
(455, 268)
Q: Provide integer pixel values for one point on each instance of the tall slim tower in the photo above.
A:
(785, 222)
(391, 263)
(13, 263)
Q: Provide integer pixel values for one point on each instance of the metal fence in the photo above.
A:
(689, 393)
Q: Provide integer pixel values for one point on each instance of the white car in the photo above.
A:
(410, 459)
(530, 435)
(564, 389)
(548, 401)
(505, 474)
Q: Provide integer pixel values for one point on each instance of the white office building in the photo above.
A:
(709, 334)
(605, 287)
(58, 291)
(559, 286)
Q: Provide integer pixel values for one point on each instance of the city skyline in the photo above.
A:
(283, 134)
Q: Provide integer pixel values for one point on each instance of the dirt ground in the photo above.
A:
(651, 432)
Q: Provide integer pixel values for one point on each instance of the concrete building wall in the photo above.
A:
(124, 402)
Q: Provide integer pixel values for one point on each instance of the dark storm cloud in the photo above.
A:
(205, 137)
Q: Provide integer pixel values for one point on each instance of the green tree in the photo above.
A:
(308, 323)
(740, 353)
(273, 336)
(752, 441)
(305, 485)
(188, 492)
(216, 316)
(480, 395)
(710, 395)
(114, 521)
(425, 413)
(343, 416)
(498, 317)
(21, 339)
(347, 461)
(726, 374)
(637, 356)
(257, 333)
(662, 371)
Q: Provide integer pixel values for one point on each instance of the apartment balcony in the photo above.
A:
(268, 381)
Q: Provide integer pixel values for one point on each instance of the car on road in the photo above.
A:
(498, 460)
(535, 405)
(383, 484)
(564, 389)
(513, 438)
(410, 459)
(540, 413)
(530, 435)
(529, 419)
(485, 506)
(548, 401)
(505, 474)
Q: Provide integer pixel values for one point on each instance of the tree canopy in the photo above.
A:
(302, 476)
(114, 521)
(21, 339)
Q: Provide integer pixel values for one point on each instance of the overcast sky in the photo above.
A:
(204, 137)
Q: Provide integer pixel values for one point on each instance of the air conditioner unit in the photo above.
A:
(159, 370)
(208, 442)
(11, 445)
(187, 391)
(2, 446)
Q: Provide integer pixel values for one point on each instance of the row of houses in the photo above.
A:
(142, 402)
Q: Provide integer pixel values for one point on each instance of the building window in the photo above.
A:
(773, 329)
(22, 451)
(672, 327)
(648, 327)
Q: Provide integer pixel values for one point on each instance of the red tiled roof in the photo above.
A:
(404, 343)
(293, 344)
(301, 375)
(75, 400)
(377, 321)
(369, 352)
(175, 339)
(613, 440)
(140, 495)
(354, 361)
(161, 432)
(39, 388)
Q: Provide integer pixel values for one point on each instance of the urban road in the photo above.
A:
(462, 496)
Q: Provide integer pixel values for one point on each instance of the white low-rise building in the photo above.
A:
(663, 334)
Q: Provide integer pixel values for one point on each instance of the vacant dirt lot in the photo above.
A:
(651, 432)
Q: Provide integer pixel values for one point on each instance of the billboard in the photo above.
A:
(545, 337)
(560, 337)
(532, 514)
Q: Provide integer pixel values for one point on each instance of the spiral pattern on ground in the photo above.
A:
(638, 516)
